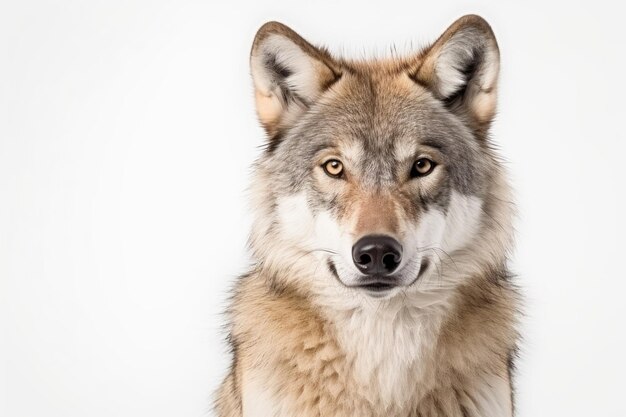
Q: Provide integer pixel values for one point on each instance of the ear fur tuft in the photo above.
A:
(289, 74)
(461, 69)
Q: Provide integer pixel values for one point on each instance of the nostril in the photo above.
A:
(365, 259)
(390, 261)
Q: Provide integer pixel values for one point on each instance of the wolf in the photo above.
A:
(381, 236)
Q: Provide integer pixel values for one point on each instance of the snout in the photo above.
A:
(377, 255)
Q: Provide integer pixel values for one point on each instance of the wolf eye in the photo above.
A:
(422, 167)
(333, 168)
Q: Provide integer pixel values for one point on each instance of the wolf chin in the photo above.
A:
(382, 227)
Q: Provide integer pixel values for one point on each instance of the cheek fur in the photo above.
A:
(300, 228)
(295, 219)
(452, 230)
(429, 233)
(462, 221)
(306, 230)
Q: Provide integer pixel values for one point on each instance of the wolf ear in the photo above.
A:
(461, 69)
(288, 73)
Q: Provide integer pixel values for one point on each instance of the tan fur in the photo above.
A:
(295, 350)
(370, 219)
(268, 109)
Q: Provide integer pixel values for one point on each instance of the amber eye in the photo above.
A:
(333, 168)
(422, 167)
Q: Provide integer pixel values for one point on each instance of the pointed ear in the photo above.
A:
(289, 74)
(461, 69)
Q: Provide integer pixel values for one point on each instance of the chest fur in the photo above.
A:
(361, 364)
(397, 361)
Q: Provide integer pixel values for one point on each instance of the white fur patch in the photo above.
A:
(452, 230)
(462, 221)
(297, 223)
(438, 235)
(386, 341)
(320, 234)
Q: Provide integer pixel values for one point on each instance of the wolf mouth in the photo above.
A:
(373, 284)
(377, 284)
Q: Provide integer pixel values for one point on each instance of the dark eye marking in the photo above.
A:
(433, 144)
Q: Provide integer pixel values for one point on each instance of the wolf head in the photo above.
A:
(378, 178)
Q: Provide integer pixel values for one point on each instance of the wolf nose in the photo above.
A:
(377, 254)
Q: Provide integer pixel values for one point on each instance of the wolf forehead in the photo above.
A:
(381, 112)
(382, 133)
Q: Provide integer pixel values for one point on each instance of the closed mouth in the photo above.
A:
(375, 284)
(379, 284)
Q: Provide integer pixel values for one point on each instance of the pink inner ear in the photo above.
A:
(268, 108)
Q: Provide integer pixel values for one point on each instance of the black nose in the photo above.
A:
(377, 254)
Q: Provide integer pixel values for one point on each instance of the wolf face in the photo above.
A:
(377, 173)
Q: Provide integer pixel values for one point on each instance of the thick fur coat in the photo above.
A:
(397, 148)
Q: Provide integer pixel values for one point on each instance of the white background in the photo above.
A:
(126, 137)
